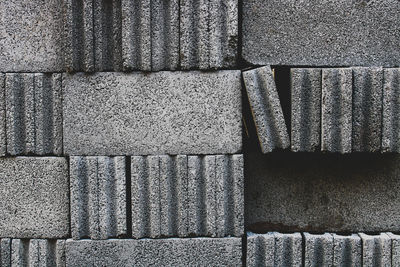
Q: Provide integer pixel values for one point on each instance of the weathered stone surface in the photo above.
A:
(336, 122)
(187, 196)
(346, 250)
(34, 197)
(157, 113)
(266, 109)
(98, 197)
(155, 252)
(335, 33)
(318, 249)
(3, 143)
(376, 250)
(31, 36)
(329, 192)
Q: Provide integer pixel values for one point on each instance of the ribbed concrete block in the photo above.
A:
(391, 106)
(306, 109)
(260, 249)
(98, 197)
(160, 252)
(5, 252)
(367, 109)
(34, 113)
(208, 34)
(395, 248)
(376, 250)
(31, 36)
(318, 250)
(34, 200)
(266, 109)
(157, 113)
(288, 249)
(187, 195)
(336, 117)
(346, 250)
(3, 143)
(321, 33)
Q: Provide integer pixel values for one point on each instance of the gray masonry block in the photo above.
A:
(34, 197)
(288, 249)
(336, 117)
(367, 109)
(32, 36)
(266, 109)
(260, 249)
(208, 34)
(334, 33)
(346, 250)
(157, 113)
(306, 109)
(318, 249)
(5, 252)
(3, 143)
(376, 250)
(187, 195)
(395, 248)
(152, 252)
(98, 197)
(391, 106)
(34, 113)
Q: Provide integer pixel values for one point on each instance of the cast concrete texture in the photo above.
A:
(34, 113)
(318, 192)
(32, 36)
(266, 109)
(187, 196)
(157, 113)
(334, 33)
(5, 252)
(347, 250)
(336, 115)
(395, 248)
(155, 252)
(98, 197)
(3, 143)
(318, 249)
(376, 250)
(34, 200)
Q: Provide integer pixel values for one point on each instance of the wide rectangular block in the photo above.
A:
(347, 250)
(376, 250)
(334, 33)
(34, 201)
(187, 196)
(266, 109)
(155, 252)
(3, 143)
(32, 36)
(318, 249)
(98, 197)
(157, 113)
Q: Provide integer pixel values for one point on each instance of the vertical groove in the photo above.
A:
(120, 201)
(229, 188)
(376, 250)
(154, 196)
(209, 191)
(347, 250)
(139, 192)
(182, 195)
(5, 252)
(145, 35)
(167, 173)
(3, 142)
(237, 212)
(128, 175)
(60, 253)
(221, 209)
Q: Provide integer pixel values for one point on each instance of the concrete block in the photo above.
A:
(306, 109)
(3, 143)
(208, 34)
(34, 201)
(336, 117)
(318, 249)
(390, 109)
(260, 249)
(187, 196)
(321, 33)
(346, 250)
(288, 249)
(34, 113)
(367, 109)
(266, 109)
(160, 252)
(5, 252)
(395, 248)
(98, 197)
(157, 113)
(32, 36)
(376, 250)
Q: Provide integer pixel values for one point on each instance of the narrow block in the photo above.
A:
(288, 249)
(3, 143)
(347, 250)
(5, 252)
(260, 249)
(376, 250)
(395, 248)
(318, 249)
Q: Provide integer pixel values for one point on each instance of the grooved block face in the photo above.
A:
(347, 250)
(376, 250)
(260, 249)
(157, 113)
(34, 197)
(2, 115)
(160, 252)
(32, 36)
(266, 109)
(318, 250)
(335, 33)
(5, 252)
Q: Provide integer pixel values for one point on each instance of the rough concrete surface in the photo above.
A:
(376, 249)
(318, 249)
(347, 250)
(3, 143)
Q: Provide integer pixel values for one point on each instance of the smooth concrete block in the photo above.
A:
(336, 117)
(367, 109)
(306, 109)
(318, 250)
(390, 109)
(32, 36)
(321, 33)
(347, 250)
(98, 197)
(34, 113)
(3, 143)
(34, 201)
(376, 250)
(266, 109)
(155, 252)
(157, 113)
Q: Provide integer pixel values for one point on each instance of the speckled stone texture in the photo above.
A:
(31, 36)
(322, 32)
(157, 113)
(34, 200)
(3, 143)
